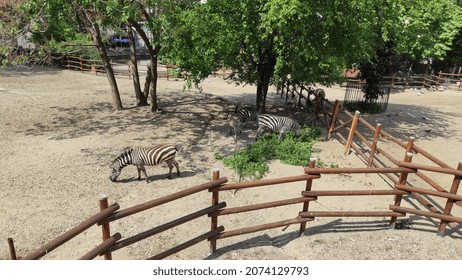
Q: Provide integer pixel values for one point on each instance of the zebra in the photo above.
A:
(246, 113)
(277, 124)
(235, 125)
(141, 157)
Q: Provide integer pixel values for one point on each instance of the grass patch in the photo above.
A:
(251, 162)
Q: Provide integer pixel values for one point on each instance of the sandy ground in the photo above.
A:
(59, 134)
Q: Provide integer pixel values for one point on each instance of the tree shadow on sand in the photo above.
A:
(186, 120)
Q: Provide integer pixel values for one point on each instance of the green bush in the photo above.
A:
(251, 162)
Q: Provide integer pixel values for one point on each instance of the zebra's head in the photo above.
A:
(296, 127)
(115, 172)
(118, 164)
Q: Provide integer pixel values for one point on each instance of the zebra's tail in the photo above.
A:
(176, 149)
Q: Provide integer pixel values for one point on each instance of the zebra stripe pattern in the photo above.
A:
(246, 113)
(277, 124)
(141, 157)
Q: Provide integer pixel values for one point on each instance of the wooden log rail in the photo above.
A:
(101, 248)
(45, 249)
(265, 182)
(247, 208)
(449, 77)
(424, 80)
(156, 230)
(159, 201)
(240, 209)
(359, 170)
(409, 189)
(375, 149)
(187, 244)
(84, 64)
(431, 168)
(314, 214)
(426, 214)
(252, 229)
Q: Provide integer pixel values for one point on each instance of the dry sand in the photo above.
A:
(59, 134)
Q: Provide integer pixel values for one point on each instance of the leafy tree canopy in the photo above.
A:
(308, 41)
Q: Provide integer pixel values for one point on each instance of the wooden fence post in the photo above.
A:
(402, 178)
(309, 184)
(214, 219)
(12, 249)
(374, 144)
(93, 68)
(106, 231)
(354, 124)
(450, 202)
(333, 120)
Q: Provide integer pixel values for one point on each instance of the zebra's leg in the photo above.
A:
(259, 130)
(177, 167)
(142, 168)
(282, 133)
(139, 172)
(170, 167)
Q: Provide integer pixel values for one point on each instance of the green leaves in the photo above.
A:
(428, 27)
(252, 161)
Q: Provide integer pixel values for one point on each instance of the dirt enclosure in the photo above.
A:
(59, 134)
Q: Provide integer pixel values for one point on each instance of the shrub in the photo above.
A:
(251, 162)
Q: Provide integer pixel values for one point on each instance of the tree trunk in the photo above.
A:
(93, 27)
(153, 51)
(117, 103)
(140, 98)
(153, 88)
(147, 82)
(265, 71)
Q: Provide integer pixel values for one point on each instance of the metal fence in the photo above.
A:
(355, 98)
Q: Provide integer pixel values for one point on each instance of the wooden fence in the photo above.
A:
(341, 121)
(124, 69)
(374, 156)
(312, 101)
(428, 81)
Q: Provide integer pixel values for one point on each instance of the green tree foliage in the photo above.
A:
(409, 31)
(428, 28)
(266, 41)
(304, 42)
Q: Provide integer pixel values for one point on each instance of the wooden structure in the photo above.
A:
(428, 81)
(124, 69)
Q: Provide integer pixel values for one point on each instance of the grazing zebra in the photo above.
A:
(234, 124)
(141, 157)
(277, 124)
(246, 113)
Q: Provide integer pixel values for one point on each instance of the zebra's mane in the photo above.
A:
(124, 152)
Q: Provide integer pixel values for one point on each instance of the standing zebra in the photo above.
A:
(277, 124)
(246, 113)
(140, 157)
(235, 125)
